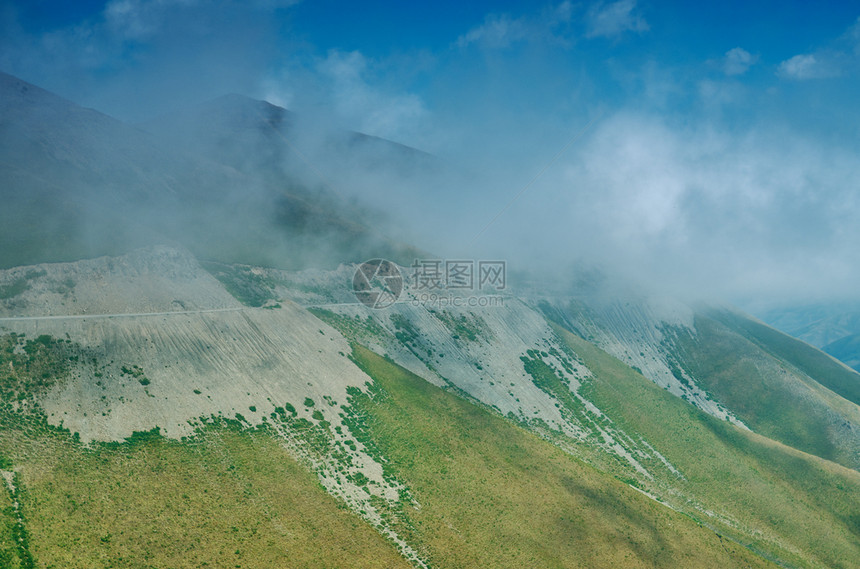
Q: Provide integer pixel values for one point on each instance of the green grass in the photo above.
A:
(811, 361)
(740, 372)
(466, 327)
(493, 495)
(354, 328)
(10, 554)
(29, 367)
(240, 281)
(227, 498)
(794, 507)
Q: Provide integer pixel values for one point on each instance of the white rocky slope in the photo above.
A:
(156, 317)
(639, 331)
(164, 345)
(481, 347)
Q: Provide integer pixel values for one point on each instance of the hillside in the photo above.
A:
(731, 366)
(485, 436)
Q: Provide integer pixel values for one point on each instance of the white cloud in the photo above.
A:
(136, 20)
(496, 32)
(838, 58)
(852, 36)
(694, 208)
(373, 109)
(612, 20)
(807, 66)
(501, 30)
(738, 61)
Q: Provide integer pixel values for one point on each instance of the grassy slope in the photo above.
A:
(810, 360)
(795, 507)
(494, 495)
(9, 555)
(228, 500)
(740, 371)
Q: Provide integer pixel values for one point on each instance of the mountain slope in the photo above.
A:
(731, 367)
(770, 496)
(78, 184)
(530, 429)
(227, 498)
(493, 496)
(767, 379)
(440, 463)
(831, 374)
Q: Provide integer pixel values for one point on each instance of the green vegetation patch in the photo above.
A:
(405, 331)
(14, 542)
(354, 328)
(246, 286)
(20, 285)
(12, 290)
(135, 372)
(550, 381)
(29, 367)
(467, 327)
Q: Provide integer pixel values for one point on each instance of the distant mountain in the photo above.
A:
(834, 328)
(77, 183)
(259, 138)
(846, 349)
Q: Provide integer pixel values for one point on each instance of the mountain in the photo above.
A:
(259, 138)
(79, 184)
(215, 398)
(833, 328)
(846, 349)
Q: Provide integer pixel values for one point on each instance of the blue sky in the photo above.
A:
(722, 151)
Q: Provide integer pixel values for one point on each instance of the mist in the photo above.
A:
(620, 137)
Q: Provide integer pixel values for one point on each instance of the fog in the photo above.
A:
(623, 137)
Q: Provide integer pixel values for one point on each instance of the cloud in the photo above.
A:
(137, 20)
(348, 89)
(501, 30)
(804, 67)
(839, 58)
(613, 20)
(700, 208)
(372, 108)
(737, 61)
(496, 32)
(690, 206)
